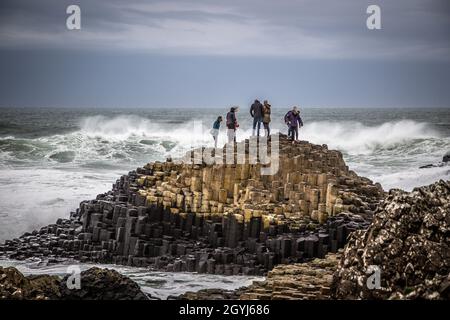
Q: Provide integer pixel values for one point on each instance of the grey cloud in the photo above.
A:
(305, 28)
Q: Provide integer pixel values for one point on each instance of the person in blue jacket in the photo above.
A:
(293, 121)
(215, 130)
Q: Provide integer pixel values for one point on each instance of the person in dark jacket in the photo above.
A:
(215, 130)
(232, 124)
(293, 121)
(256, 111)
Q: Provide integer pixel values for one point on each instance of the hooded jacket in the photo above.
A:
(293, 119)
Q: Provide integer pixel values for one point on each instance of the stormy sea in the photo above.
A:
(51, 159)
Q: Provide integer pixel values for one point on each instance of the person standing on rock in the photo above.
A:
(266, 117)
(256, 111)
(232, 124)
(215, 130)
(293, 121)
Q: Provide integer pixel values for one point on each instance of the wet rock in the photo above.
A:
(102, 284)
(446, 157)
(96, 284)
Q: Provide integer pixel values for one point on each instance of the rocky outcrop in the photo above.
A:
(216, 218)
(15, 286)
(299, 281)
(102, 284)
(408, 241)
(445, 162)
(446, 157)
(96, 284)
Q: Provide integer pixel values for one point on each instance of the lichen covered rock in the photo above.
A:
(408, 241)
(15, 286)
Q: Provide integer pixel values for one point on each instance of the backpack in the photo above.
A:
(230, 119)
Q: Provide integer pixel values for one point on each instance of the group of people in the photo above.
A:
(260, 113)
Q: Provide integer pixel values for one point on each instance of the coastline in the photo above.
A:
(220, 219)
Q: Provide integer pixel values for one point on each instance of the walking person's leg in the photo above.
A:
(255, 120)
(259, 125)
(215, 140)
(296, 134)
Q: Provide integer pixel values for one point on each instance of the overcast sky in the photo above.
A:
(166, 53)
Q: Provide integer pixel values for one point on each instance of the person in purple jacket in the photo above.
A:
(293, 121)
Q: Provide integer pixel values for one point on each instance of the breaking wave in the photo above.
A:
(132, 138)
(356, 138)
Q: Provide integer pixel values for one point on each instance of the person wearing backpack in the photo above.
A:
(232, 124)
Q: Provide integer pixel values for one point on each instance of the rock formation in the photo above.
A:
(446, 157)
(96, 284)
(216, 218)
(210, 294)
(231, 219)
(299, 281)
(408, 241)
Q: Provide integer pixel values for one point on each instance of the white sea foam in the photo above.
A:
(31, 198)
(411, 178)
(356, 138)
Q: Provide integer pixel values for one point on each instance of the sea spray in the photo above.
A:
(356, 138)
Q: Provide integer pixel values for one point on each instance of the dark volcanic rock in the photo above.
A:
(409, 241)
(15, 286)
(103, 284)
(446, 157)
(96, 284)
